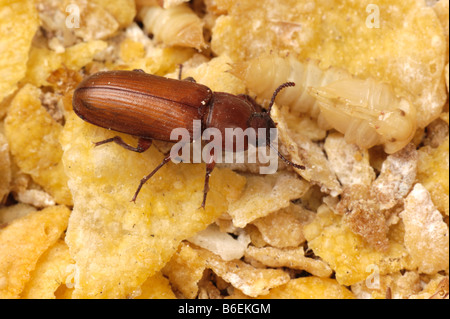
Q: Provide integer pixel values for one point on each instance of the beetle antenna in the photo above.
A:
(298, 166)
(180, 71)
(275, 93)
(272, 101)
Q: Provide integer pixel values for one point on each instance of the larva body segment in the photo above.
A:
(368, 113)
(264, 74)
(175, 26)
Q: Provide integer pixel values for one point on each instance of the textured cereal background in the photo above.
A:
(368, 118)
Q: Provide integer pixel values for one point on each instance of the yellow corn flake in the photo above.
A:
(346, 34)
(433, 173)
(9, 213)
(41, 63)
(63, 292)
(33, 137)
(5, 167)
(156, 287)
(391, 286)
(446, 74)
(131, 50)
(51, 271)
(425, 227)
(23, 242)
(106, 228)
(160, 61)
(284, 228)
(18, 24)
(137, 51)
(185, 269)
(266, 194)
(442, 10)
(214, 74)
(79, 55)
(310, 288)
(351, 258)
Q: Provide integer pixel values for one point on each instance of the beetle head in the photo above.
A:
(264, 120)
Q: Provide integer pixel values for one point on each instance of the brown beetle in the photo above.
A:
(150, 107)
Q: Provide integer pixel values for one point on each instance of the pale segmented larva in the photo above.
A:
(368, 113)
(175, 26)
(265, 73)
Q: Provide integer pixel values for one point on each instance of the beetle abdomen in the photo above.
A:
(140, 104)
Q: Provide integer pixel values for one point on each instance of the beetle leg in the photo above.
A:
(180, 71)
(209, 168)
(189, 78)
(143, 144)
(146, 178)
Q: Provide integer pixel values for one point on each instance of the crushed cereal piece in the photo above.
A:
(349, 162)
(351, 258)
(284, 228)
(250, 280)
(5, 168)
(397, 176)
(426, 233)
(363, 216)
(305, 152)
(310, 288)
(221, 243)
(433, 172)
(399, 285)
(289, 257)
(155, 287)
